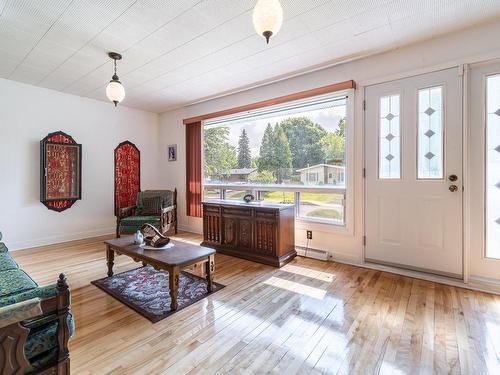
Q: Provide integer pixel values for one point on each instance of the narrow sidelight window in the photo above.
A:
(430, 133)
(389, 138)
(493, 167)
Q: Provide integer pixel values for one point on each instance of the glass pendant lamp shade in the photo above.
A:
(267, 17)
(115, 91)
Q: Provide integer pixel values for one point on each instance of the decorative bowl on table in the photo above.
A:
(153, 238)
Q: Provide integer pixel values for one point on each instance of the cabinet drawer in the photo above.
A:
(270, 215)
(209, 208)
(237, 212)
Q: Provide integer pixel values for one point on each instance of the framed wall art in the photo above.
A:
(127, 175)
(60, 171)
(172, 152)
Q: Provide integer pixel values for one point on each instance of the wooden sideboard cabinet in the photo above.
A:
(261, 232)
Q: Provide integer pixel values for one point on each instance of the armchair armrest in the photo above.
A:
(168, 218)
(20, 311)
(167, 209)
(126, 212)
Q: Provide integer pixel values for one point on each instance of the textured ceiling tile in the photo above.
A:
(7, 65)
(400, 9)
(27, 74)
(118, 37)
(293, 8)
(176, 52)
(337, 32)
(413, 28)
(138, 75)
(321, 17)
(15, 41)
(369, 20)
(34, 15)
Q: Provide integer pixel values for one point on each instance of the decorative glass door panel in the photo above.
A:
(389, 138)
(430, 133)
(493, 166)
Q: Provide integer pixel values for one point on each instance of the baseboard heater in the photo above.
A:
(311, 253)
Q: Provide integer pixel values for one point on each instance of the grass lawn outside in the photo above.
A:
(325, 213)
(277, 196)
(235, 194)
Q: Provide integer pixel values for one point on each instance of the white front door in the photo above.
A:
(413, 168)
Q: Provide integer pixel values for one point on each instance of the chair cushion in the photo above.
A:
(15, 281)
(167, 198)
(139, 220)
(6, 261)
(132, 224)
(43, 338)
(151, 206)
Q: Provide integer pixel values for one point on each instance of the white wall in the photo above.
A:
(462, 47)
(27, 115)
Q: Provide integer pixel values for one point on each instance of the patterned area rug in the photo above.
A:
(146, 291)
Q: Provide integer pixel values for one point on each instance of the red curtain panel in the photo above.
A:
(127, 175)
(193, 169)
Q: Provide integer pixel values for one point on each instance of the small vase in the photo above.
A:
(138, 238)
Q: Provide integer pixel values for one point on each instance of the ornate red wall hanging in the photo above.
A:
(60, 171)
(127, 175)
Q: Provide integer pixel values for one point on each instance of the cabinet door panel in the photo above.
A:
(211, 227)
(230, 230)
(245, 234)
(265, 237)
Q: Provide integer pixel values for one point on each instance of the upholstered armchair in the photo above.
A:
(155, 207)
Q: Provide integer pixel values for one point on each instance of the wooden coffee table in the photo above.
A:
(172, 260)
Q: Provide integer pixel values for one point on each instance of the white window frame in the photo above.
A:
(347, 227)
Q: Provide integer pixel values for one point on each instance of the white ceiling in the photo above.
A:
(179, 51)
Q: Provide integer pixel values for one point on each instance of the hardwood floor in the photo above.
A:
(308, 317)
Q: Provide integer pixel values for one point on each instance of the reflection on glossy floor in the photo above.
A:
(308, 317)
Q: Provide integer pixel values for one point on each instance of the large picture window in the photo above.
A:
(289, 153)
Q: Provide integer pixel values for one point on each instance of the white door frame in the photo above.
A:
(462, 70)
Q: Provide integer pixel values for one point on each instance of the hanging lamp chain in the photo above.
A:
(115, 76)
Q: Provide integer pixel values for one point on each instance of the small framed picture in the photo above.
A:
(172, 152)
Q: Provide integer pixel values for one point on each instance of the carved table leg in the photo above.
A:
(110, 257)
(210, 270)
(173, 280)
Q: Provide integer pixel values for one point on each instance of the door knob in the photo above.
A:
(453, 188)
(453, 177)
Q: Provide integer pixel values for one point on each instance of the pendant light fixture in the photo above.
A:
(115, 91)
(267, 18)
